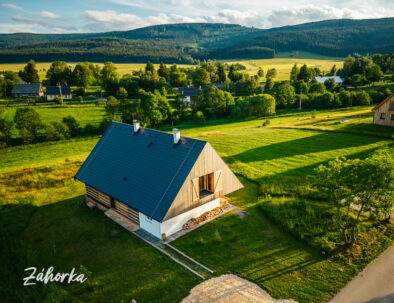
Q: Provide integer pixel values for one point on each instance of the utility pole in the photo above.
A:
(300, 106)
(60, 91)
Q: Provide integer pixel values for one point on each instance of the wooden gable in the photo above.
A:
(224, 182)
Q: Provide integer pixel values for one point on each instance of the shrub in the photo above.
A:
(72, 125)
(266, 122)
(121, 93)
(104, 125)
(312, 222)
(199, 117)
(91, 129)
(57, 100)
(79, 92)
(57, 131)
(361, 97)
(263, 105)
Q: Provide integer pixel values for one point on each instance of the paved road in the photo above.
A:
(373, 285)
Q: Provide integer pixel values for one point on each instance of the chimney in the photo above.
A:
(136, 125)
(177, 135)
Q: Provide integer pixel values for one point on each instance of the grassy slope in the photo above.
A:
(125, 268)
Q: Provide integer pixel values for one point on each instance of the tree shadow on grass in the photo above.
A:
(321, 142)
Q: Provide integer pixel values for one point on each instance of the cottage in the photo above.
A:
(189, 93)
(338, 80)
(384, 112)
(53, 91)
(29, 90)
(155, 179)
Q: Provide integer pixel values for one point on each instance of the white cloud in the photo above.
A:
(111, 20)
(311, 13)
(46, 26)
(49, 15)
(12, 6)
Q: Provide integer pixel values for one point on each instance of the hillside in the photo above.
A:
(188, 42)
(331, 38)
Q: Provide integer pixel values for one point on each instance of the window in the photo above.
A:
(392, 117)
(383, 116)
(205, 184)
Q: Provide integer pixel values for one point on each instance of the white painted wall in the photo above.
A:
(150, 225)
(176, 223)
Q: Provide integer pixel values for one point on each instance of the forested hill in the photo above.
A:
(202, 34)
(331, 38)
(189, 42)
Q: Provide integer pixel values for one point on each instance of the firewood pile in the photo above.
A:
(207, 215)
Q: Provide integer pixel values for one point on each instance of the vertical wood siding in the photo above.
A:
(388, 110)
(208, 162)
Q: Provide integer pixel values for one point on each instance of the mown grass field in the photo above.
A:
(122, 68)
(52, 226)
(282, 64)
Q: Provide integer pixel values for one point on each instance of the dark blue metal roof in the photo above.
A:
(144, 170)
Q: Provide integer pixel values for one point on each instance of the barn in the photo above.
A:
(384, 112)
(157, 180)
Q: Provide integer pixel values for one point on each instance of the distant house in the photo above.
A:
(158, 181)
(321, 79)
(53, 91)
(217, 84)
(30, 90)
(189, 93)
(384, 112)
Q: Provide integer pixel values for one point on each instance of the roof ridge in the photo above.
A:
(156, 130)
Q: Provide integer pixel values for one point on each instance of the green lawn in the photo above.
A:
(50, 225)
(84, 113)
(46, 153)
(67, 234)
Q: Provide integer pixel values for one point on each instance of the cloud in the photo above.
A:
(313, 13)
(49, 15)
(12, 6)
(48, 26)
(111, 20)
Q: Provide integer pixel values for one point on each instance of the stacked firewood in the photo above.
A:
(207, 215)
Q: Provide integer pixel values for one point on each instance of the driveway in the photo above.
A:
(375, 284)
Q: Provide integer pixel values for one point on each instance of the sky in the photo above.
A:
(81, 16)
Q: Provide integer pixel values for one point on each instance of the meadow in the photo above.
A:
(283, 64)
(45, 214)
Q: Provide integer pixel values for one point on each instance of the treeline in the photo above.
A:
(331, 38)
(252, 52)
(99, 50)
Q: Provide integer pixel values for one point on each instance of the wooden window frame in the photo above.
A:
(383, 116)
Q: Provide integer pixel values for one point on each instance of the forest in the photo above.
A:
(194, 42)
